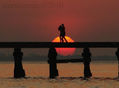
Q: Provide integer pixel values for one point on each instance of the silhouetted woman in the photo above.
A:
(52, 62)
(62, 33)
(87, 59)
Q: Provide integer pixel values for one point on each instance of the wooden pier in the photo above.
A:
(18, 54)
(49, 44)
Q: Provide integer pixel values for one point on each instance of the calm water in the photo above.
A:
(104, 75)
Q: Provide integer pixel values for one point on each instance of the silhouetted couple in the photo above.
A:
(52, 62)
(62, 33)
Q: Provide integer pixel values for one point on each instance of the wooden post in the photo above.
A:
(52, 55)
(86, 60)
(117, 54)
(18, 68)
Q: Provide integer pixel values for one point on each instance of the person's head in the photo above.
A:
(62, 24)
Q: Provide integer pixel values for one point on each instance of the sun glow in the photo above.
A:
(65, 51)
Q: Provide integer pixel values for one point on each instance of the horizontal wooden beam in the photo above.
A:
(69, 60)
(49, 44)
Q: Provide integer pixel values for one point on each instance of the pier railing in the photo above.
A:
(56, 44)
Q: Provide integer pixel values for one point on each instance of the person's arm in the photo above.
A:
(59, 28)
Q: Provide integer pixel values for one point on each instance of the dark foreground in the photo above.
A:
(104, 76)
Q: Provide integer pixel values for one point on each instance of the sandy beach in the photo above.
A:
(104, 76)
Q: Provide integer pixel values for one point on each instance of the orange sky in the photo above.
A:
(36, 20)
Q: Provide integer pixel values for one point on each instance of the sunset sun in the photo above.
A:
(64, 51)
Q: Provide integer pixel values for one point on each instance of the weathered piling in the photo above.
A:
(52, 55)
(117, 54)
(86, 60)
(18, 68)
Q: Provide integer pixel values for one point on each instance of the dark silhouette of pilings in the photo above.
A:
(18, 68)
(117, 54)
(19, 71)
(52, 63)
(86, 60)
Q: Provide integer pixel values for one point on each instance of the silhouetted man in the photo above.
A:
(52, 62)
(87, 59)
(62, 33)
